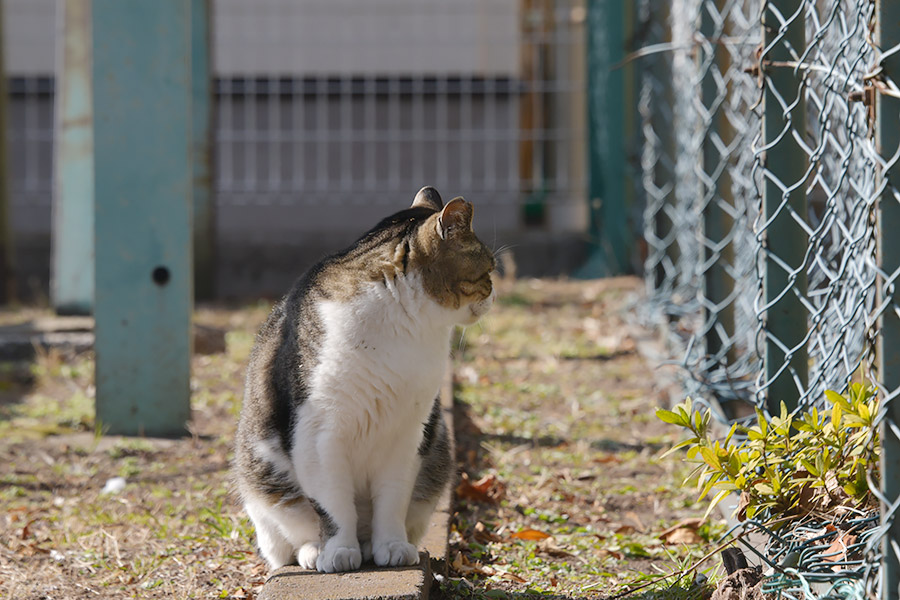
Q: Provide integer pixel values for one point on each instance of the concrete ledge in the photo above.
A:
(407, 583)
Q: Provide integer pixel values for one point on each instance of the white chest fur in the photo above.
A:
(381, 362)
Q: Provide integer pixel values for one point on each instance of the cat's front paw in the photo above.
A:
(395, 554)
(335, 558)
(307, 555)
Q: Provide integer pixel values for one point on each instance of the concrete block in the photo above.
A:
(407, 583)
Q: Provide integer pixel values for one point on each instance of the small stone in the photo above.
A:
(114, 485)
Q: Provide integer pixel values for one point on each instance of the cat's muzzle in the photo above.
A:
(481, 307)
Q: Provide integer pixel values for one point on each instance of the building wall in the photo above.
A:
(330, 114)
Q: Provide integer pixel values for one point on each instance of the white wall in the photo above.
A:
(311, 37)
(385, 37)
(29, 28)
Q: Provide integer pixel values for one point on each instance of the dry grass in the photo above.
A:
(173, 532)
(555, 420)
(554, 406)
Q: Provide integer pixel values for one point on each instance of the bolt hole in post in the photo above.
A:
(161, 276)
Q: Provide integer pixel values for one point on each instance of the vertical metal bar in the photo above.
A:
(201, 125)
(7, 274)
(143, 181)
(662, 122)
(72, 282)
(716, 186)
(887, 140)
(784, 198)
(606, 139)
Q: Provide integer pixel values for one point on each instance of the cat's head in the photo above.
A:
(454, 264)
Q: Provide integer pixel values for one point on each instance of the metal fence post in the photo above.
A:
(664, 260)
(7, 280)
(201, 124)
(142, 153)
(887, 131)
(784, 201)
(72, 240)
(609, 225)
(715, 181)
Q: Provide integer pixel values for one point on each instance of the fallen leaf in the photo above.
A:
(488, 489)
(682, 535)
(530, 534)
(741, 509)
(555, 552)
(511, 576)
(607, 458)
(837, 551)
(690, 523)
(635, 520)
(482, 534)
(624, 530)
(601, 552)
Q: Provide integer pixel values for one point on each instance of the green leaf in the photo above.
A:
(763, 423)
(836, 398)
(809, 467)
(712, 503)
(667, 416)
(836, 413)
(863, 411)
(764, 488)
(679, 446)
(710, 457)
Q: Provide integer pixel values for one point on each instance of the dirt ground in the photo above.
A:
(563, 493)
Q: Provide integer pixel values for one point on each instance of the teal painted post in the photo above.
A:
(72, 268)
(201, 123)
(717, 194)
(784, 112)
(887, 132)
(143, 182)
(7, 279)
(609, 225)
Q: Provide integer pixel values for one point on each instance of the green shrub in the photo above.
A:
(788, 465)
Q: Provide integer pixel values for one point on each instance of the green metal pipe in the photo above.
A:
(201, 123)
(717, 222)
(143, 244)
(72, 240)
(607, 197)
(784, 113)
(887, 139)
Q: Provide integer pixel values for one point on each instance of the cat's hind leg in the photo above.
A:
(328, 475)
(418, 518)
(272, 545)
(286, 534)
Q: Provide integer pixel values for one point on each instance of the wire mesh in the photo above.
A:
(764, 185)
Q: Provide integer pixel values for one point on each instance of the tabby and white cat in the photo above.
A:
(342, 451)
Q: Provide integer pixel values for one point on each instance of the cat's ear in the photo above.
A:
(428, 197)
(456, 217)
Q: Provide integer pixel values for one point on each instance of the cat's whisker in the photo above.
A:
(462, 339)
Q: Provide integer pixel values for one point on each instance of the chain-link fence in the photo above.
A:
(769, 143)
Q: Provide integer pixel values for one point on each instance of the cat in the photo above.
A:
(341, 451)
